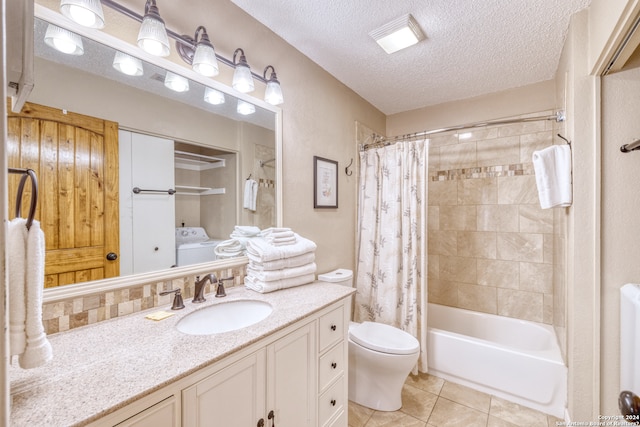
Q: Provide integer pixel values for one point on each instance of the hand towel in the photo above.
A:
(38, 349)
(264, 251)
(279, 241)
(229, 249)
(295, 261)
(284, 273)
(552, 168)
(264, 287)
(246, 230)
(250, 194)
(276, 232)
(16, 241)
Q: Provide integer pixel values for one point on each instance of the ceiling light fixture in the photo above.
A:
(127, 64)
(398, 34)
(242, 77)
(273, 92)
(212, 96)
(63, 40)
(87, 13)
(175, 82)
(245, 108)
(152, 37)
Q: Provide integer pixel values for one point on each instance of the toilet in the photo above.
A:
(380, 357)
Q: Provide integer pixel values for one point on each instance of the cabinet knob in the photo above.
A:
(260, 422)
(333, 402)
(333, 327)
(334, 365)
(111, 256)
(272, 417)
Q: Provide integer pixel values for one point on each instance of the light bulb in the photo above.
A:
(212, 96)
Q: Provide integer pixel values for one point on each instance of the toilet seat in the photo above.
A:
(383, 338)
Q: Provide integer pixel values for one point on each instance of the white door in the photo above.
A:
(153, 206)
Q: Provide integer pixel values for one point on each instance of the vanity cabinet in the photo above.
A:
(162, 414)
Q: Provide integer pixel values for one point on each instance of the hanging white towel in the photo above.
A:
(38, 350)
(552, 167)
(250, 194)
(17, 239)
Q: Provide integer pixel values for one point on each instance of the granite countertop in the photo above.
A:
(101, 368)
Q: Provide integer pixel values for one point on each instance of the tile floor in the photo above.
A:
(428, 401)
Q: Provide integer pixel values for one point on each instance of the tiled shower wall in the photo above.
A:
(490, 245)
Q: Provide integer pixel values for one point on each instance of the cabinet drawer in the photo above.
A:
(331, 365)
(331, 402)
(331, 328)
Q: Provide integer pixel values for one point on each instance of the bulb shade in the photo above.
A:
(213, 96)
(245, 108)
(152, 37)
(204, 60)
(273, 93)
(63, 40)
(87, 13)
(176, 83)
(242, 79)
(127, 64)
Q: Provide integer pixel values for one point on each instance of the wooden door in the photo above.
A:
(75, 158)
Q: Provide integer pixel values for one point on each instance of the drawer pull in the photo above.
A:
(333, 327)
(272, 417)
(261, 422)
(333, 402)
(334, 365)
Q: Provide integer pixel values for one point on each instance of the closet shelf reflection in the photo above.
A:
(188, 190)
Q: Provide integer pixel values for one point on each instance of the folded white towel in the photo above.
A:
(38, 350)
(284, 273)
(250, 194)
(264, 251)
(295, 261)
(552, 167)
(229, 249)
(246, 230)
(264, 287)
(279, 241)
(276, 232)
(16, 241)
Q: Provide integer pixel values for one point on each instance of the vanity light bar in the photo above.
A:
(190, 45)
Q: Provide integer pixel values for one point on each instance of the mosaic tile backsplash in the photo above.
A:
(69, 314)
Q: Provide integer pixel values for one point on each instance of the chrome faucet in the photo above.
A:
(198, 295)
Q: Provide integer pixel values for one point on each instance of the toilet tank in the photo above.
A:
(340, 276)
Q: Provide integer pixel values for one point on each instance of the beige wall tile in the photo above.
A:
(481, 244)
(517, 190)
(433, 267)
(482, 134)
(549, 252)
(547, 313)
(521, 128)
(499, 151)
(433, 218)
(458, 269)
(482, 191)
(497, 218)
(533, 142)
(458, 218)
(520, 247)
(434, 158)
(443, 193)
(458, 156)
(497, 273)
(442, 243)
(536, 277)
(443, 139)
(478, 298)
(521, 304)
(533, 219)
(443, 292)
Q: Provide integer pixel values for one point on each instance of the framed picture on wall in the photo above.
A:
(325, 183)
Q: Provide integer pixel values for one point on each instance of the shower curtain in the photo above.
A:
(391, 273)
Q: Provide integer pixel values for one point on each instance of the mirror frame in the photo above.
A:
(87, 288)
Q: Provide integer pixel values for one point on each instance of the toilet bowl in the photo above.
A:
(380, 358)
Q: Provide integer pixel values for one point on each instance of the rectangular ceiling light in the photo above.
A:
(398, 34)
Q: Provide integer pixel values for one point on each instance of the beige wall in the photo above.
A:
(4, 324)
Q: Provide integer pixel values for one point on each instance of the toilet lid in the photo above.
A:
(383, 338)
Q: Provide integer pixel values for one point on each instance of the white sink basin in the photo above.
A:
(224, 317)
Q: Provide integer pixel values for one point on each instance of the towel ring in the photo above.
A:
(26, 174)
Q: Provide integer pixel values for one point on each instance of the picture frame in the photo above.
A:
(325, 183)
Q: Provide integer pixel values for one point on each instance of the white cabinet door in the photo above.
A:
(291, 379)
(152, 212)
(233, 396)
(162, 414)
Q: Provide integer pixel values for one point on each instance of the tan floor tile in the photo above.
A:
(358, 415)
(554, 421)
(516, 414)
(450, 414)
(466, 396)
(417, 403)
(499, 422)
(394, 419)
(426, 382)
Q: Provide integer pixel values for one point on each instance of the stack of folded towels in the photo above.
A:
(279, 259)
(237, 244)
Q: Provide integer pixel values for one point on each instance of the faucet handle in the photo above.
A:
(178, 304)
(220, 292)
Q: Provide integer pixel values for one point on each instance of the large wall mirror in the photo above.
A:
(167, 140)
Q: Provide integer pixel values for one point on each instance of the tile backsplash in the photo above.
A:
(90, 309)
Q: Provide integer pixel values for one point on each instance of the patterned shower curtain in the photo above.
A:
(392, 232)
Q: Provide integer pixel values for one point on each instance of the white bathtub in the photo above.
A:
(513, 359)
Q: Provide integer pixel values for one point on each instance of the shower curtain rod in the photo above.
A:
(379, 140)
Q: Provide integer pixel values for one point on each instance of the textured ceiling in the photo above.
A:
(473, 47)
